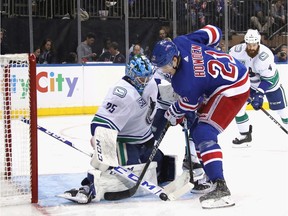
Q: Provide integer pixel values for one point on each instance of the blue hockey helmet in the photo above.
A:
(163, 53)
(139, 70)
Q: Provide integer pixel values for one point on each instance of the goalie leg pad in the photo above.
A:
(104, 142)
(109, 181)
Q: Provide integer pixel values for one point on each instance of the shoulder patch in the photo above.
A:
(120, 91)
(238, 48)
(263, 56)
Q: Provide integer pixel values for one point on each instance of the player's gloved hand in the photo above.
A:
(190, 117)
(173, 117)
(257, 100)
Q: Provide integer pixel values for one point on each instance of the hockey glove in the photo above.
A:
(257, 100)
(191, 117)
(173, 117)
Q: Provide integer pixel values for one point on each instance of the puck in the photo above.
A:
(163, 196)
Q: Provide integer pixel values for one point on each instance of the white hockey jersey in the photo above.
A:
(261, 67)
(125, 110)
(166, 94)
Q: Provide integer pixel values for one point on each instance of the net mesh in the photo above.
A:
(15, 173)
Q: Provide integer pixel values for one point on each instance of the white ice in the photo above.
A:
(257, 176)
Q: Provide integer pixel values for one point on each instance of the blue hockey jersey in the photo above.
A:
(205, 71)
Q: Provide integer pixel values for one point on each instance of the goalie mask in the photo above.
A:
(139, 70)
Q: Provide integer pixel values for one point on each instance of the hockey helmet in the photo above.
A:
(139, 70)
(252, 36)
(163, 53)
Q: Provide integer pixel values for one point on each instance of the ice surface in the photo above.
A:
(257, 176)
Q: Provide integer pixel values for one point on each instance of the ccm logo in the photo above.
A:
(99, 150)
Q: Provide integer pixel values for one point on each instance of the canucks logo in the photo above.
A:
(142, 103)
(119, 91)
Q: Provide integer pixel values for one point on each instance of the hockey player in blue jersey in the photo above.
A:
(211, 83)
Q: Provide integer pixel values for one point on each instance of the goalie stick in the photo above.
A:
(119, 170)
(185, 182)
(130, 192)
(274, 120)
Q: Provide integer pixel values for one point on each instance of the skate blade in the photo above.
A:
(77, 199)
(218, 203)
(242, 145)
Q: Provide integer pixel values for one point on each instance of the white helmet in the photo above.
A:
(252, 36)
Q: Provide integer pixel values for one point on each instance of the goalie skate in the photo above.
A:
(218, 198)
(80, 196)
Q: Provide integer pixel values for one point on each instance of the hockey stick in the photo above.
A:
(274, 120)
(55, 136)
(185, 182)
(185, 129)
(119, 170)
(130, 192)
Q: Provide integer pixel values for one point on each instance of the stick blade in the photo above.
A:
(118, 195)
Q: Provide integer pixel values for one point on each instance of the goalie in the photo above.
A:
(125, 115)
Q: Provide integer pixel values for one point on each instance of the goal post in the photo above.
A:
(18, 141)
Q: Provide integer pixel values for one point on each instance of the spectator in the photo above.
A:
(37, 52)
(105, 55)
(196, 11)
(281, 56)
(278, 13)
(4, 46)
(106, 43)
(71, 58)
(136, 50)
(84, 50)
(47, 54)
(261, 19)
(219, 15)
(164, 33)
(116, 55)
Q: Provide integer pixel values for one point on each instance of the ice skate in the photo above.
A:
(220, 197)
(202, 186)
(81, 196)
(198, 172)
(244, 139)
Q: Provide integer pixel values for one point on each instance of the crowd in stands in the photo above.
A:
(267, 16)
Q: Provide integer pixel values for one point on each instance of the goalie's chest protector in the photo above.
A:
(134, 113)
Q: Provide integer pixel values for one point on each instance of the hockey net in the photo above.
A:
(18, 141)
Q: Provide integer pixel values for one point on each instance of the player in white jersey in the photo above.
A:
(265, 80)
(127, 110)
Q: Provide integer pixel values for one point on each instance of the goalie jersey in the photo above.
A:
(128, 112)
